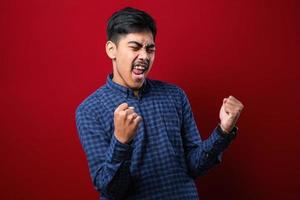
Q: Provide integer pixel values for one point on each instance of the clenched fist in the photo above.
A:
(126, 122)
(230, 112)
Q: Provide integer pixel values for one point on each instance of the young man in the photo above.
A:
(139, 135)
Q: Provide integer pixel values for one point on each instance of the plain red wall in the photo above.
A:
(52, 56)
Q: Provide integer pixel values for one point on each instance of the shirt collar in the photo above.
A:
(125, 90)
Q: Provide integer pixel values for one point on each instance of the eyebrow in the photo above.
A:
(141, 45)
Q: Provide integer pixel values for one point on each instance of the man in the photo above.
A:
(139, 135)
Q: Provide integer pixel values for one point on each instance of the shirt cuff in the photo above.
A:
(118, 151)
(227, 136)
(219, 141)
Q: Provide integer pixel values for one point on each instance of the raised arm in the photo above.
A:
(108, 154)
(202, 155)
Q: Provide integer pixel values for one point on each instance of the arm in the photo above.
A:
(108, 159)
(201, 155)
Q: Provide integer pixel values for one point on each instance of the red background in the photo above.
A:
(52, 56)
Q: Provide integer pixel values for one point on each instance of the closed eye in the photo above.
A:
(152, 50)
(134, 48)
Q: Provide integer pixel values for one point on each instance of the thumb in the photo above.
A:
(222, 110)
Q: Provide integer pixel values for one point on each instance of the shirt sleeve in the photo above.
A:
(201, 155)
(108, 159)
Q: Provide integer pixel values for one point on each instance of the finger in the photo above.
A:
(229, 107)
(131, 117)
(122, 107)
(237, 105)
(137, 119)
(232, 103)
(232, 111)
(129, 110)
(234, 100)
(233, 114)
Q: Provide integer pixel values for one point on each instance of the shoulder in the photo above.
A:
(161, 85)
(167, 88)
(93, 102)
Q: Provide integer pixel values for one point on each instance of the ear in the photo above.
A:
(111, 49)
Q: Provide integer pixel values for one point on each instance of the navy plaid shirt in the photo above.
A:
(166, 154)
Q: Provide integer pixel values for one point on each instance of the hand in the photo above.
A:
(229, 113)
(126, 122)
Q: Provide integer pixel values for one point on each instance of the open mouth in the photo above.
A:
(138, 71)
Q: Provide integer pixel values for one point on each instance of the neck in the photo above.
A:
(136, 93)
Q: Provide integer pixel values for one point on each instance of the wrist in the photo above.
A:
(231, 134)
(225, 130)
(122, 139)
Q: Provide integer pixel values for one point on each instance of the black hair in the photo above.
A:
(129, 20)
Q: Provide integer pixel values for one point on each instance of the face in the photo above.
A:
(132, 58)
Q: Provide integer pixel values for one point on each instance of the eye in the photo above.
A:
(151, 50)
(134, 48)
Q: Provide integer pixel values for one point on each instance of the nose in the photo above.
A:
(143, 54)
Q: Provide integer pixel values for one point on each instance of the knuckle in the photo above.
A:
(129, 117)
(237, 111)
(119, 114)
(123, 114)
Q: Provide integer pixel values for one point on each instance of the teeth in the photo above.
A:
(139, 67)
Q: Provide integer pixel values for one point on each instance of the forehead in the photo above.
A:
(144, 38)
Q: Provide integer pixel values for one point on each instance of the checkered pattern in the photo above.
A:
(166, 154)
